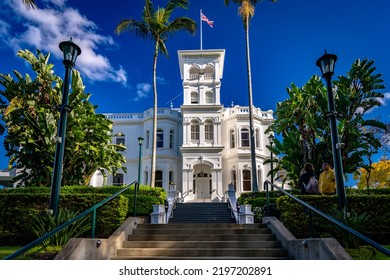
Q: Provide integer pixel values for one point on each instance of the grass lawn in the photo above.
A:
(368, 253)
(8, 250)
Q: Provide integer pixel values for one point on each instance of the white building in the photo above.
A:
(201, 146)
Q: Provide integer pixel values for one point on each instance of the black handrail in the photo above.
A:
(68, 223)
(329, 218)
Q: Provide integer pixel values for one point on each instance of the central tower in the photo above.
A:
(201, 72)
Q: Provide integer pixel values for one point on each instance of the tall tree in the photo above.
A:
(247, 11)
(156, 26)
(29, 110)
(306, 133)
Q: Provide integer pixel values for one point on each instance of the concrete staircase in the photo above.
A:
(201, 213)
(201, 241)
(201, 231)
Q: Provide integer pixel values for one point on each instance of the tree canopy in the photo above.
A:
(29, 110)
(301, 122)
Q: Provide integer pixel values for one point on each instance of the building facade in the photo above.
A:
(202, 146)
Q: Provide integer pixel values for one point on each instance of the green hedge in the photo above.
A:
(19, 206)
(295, 217)
(375, 202)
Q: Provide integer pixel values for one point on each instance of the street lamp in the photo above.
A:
(71, 51)
(326, 63)
(140, 139)
(271, 142)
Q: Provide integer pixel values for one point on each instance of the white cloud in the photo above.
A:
(4, 29)
(162, 81)
(45, 27)
(142, 91)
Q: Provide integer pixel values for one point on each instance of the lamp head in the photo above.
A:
(327, 63)
(71, 51)
(140, 139)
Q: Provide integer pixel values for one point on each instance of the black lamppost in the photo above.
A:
(271, 142)
(326, 63)
(136, 187)
(71, 51)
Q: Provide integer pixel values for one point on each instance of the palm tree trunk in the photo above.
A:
(154, 145)
(251, 125)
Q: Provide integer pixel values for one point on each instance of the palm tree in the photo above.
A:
(247, 11)
(29, 4)
(155, 25)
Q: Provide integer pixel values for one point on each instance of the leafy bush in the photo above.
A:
(45, 223)
(358, 222)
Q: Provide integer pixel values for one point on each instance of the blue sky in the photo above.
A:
(287, 38)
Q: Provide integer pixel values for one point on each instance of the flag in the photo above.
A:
(209, 22)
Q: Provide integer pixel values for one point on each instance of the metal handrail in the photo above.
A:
(329, 218)
(66, 224)
(232, 205)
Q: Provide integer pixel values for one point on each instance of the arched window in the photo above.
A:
(146, 177)
(234, 179)
(160, 138)
(209, 97)
(158, 182)
(245, 137)
(171, 139)
(232, 139)
(120, 139)
(194, 97)
(257, 138)
(171, 177)
(209, 72)
(147, 139)
(194, 72)
(208, 130)
(194, 130)
(246, 180)
(118, 180)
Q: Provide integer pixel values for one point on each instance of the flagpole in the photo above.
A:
(201, 47)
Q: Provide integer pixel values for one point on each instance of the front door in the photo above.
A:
(203, 188)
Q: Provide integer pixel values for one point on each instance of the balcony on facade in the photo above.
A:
(237, 111)
(139, 117)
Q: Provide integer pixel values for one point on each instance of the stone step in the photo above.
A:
(195, 231)
(203, 252)
(202, 237)
(213, 226)
(201, 244)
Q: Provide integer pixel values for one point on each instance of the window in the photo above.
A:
(232, 139)
(209, 97)
(194, 72)
(118, 180)
(171, 142)
(208, 130)
(246, 180)
(160, 138)
(257, 138)
(244, 137)
(234, 179)
(259, 180)
(147, 139)
(120, 139)
(194, 130)
(171, 177)
(194, 97)
(158, 182)
(209, 72)
(146, 177)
